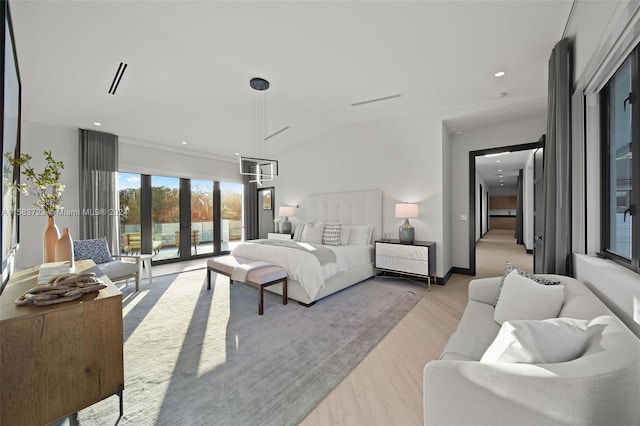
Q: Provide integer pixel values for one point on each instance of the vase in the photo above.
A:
(50, 239)
(64, 248)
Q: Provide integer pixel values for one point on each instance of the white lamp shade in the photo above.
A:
(286, 211)
(406, 210)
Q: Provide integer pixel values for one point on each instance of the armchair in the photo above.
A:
(97, 250)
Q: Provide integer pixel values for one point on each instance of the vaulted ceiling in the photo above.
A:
(189, 64)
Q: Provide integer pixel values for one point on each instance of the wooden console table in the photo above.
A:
(56, 360)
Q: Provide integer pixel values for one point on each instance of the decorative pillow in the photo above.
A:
(312, 233)
(297, 234)
(523, 298)
(360, 235)
(539, 342)
(96, 249)
(536, 278)
(345, 233)
(331, 234)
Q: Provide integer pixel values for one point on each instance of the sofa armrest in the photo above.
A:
(484, 290)
(465, 392)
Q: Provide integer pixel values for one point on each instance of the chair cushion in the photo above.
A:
(117, 269)
(95, 249)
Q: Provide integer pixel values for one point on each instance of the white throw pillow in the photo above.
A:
(360, 235)
(312, 232)
(345, 232)
(539, 342)
(523, 298)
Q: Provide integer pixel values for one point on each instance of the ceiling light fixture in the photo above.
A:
(258, 166)
(385, 98)
(183, 142)
(499, 74)
(97, 124)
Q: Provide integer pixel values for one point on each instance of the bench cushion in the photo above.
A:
(226, 264)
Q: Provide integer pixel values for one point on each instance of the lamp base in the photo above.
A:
(285, 226)
(406, 233)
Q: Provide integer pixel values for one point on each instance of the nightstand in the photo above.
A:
(276, 236)
(412, 260)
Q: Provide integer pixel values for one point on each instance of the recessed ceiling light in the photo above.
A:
(183, 142)
(97, 124)
(237, 153)
(499, 73)
(499, 170)
(458, 132)
(498, 161)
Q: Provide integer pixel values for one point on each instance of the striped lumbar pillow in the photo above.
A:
(297, 234)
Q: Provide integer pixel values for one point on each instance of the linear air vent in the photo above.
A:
(116, 78)
(277, 133)
(386, 98)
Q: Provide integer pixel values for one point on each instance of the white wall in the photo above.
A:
(400, 156)
(511, 134)
(135, 157)
(447, 189)
(63, 144)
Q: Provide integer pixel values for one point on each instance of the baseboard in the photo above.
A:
(529, 251)
(444, 279)
(463, 271)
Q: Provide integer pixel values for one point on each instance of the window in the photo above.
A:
(620, 100)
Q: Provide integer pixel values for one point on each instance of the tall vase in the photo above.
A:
(64, 248)
(50, 239)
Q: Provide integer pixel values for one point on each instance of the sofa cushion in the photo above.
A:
(523, 298)
(537, 278)
(539, 341)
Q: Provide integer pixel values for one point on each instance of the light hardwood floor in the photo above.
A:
(386, 388)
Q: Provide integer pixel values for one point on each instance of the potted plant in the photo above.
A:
(47, 190)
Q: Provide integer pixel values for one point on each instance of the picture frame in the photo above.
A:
(10, 104)
(266, 200)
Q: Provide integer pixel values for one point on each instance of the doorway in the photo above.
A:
(476, 229)
(266, 214)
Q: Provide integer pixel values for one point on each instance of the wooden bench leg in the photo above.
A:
(285, 299)
(208, 279)
(260, 300)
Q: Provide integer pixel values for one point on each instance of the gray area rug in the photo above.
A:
(200, 357)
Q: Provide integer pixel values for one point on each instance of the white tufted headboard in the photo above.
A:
(349, 208)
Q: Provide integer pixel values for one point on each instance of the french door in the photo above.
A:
(178, 219)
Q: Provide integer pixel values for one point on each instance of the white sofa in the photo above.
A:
(601, 387)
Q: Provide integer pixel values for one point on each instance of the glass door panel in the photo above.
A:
(202, 234)
(165, 216)
(129, 190)
(231, 215)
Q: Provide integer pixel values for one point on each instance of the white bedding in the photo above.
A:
(304, 267)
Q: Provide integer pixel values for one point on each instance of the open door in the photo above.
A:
(538, 167)
(266, 206)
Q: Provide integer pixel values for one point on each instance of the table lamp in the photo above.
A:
(406, 232)
(285, 225)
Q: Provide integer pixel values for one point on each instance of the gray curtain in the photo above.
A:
(556, 181)
(250, 209)
(519, 210)
(99, 201)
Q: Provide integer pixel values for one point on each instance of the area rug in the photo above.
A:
(201, 357)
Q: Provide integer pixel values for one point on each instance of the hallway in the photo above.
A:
(495, 249)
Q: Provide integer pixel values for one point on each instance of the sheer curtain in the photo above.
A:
(556, 181)
(98, 195)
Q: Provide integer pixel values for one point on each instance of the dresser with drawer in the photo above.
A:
(413, 260)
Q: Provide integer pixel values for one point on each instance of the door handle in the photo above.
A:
(538, 238)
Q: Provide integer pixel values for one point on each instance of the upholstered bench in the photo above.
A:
(258, 274)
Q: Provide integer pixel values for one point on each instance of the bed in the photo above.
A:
(309, 280)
